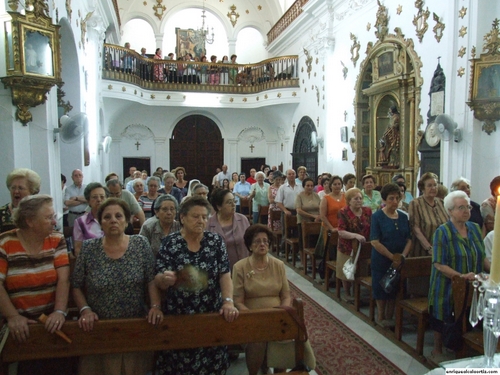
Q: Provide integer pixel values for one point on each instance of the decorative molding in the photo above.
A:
(353, 6)
(309, 61)
(462, 12)
(137, 132)
(251, 135)
(438, 28)
(399, 9)
(355, 49)
(345, 70)
(233, 16)
(420, 20)
(462, 51)
(159, 9)
(69, 11)
(381, 28)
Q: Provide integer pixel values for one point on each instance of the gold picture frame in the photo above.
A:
(484, 88)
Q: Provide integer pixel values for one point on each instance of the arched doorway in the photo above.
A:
(197, 145)
(304, 153)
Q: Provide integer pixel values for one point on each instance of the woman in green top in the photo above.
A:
(371, 197)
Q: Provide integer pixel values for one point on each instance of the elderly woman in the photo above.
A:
(488, 206)
(371, 197)
(169, 181)
(427, 213)
(463, 184)
(458, 249)
(181, 183)
(146, 201)
(155, 229)
(114, 279)
(278, 178)
(389, 234)
(307, 203)
(193, 267)
(34, 273)
(259, 281)
(21, 182)
(138, 186)
(258, 192)
(86, 226)
(353, 224)
(229, 224)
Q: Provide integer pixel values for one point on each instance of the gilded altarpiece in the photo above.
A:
(387, 103)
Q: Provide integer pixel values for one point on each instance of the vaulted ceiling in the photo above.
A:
(261, 14)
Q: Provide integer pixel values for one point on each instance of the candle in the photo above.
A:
(495, 256)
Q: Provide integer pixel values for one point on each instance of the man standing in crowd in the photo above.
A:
(224, 174)
(74, 198)
(131, 177)
(215, 181)
(285, 199)
(251, 180)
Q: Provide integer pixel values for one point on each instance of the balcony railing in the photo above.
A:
(126, 65)
(290, 15)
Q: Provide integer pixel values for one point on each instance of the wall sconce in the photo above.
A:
(293, 128)
(159, 9)
(233, 16)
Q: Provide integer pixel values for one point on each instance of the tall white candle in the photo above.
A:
(495, 256)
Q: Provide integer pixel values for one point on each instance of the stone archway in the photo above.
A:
(304, 153)
(197, 145)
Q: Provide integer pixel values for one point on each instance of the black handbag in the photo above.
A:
(452, 331)
(390, 281)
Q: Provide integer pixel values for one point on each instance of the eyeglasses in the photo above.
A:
(464, 208)
(262, 241)
(230, 202)
(167, 209)
(18, 188)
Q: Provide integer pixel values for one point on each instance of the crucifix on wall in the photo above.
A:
(251, 148)
(137, 144)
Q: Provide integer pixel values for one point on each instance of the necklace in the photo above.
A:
(263, 268)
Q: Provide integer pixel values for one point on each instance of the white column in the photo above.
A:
(162, 156)
(232, 155)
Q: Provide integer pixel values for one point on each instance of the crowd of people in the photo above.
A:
(196, 251)
(193, 69)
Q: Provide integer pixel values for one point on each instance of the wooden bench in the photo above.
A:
(413, 267)
(176, 332)
(276, 216)
(310, 234)
(330, 264)
(291, 238)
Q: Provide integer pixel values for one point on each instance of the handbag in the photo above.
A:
(452, 331)
(390, 281)
(281, 354)
(349, 267)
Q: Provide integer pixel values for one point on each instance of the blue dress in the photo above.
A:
(193, 297)
(393, 234)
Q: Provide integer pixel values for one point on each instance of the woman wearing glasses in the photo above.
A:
(259, 281)
(458, 249)
(156, 228)
(229, 224)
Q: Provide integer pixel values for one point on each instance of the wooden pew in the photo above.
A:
(176, 332)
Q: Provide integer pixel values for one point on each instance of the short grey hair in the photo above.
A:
(260, 173)
(136, 181)
(168, 175)
(28, 208)
(454, 184)
(113, 182)
(165, 198)
(33, 179)
(449, 200)
(200, 186)
(154, 178)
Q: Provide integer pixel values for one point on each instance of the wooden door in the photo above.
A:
(304, 153)
(197, 145)
(249, 163)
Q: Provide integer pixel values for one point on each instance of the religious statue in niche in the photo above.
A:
(388, 152)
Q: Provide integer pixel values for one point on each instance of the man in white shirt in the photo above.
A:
(285, 199)
(131, 177)
(224, 174)
(215, 181)
(74, 198)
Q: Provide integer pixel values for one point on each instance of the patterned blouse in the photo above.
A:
(374, 202)
(349, 222)
(115, 288)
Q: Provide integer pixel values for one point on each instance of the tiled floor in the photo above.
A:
(396, 355)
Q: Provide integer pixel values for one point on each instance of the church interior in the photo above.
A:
(315, 83)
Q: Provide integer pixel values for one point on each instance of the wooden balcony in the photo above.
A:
(290, 15)
(124, 65)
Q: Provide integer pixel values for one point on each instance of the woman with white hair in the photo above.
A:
(463, 184)
(458, 249)
(258, 192)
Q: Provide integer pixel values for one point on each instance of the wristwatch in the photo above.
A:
(227, 299)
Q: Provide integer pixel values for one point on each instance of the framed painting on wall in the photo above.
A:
(189, 41)
(343, 133)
